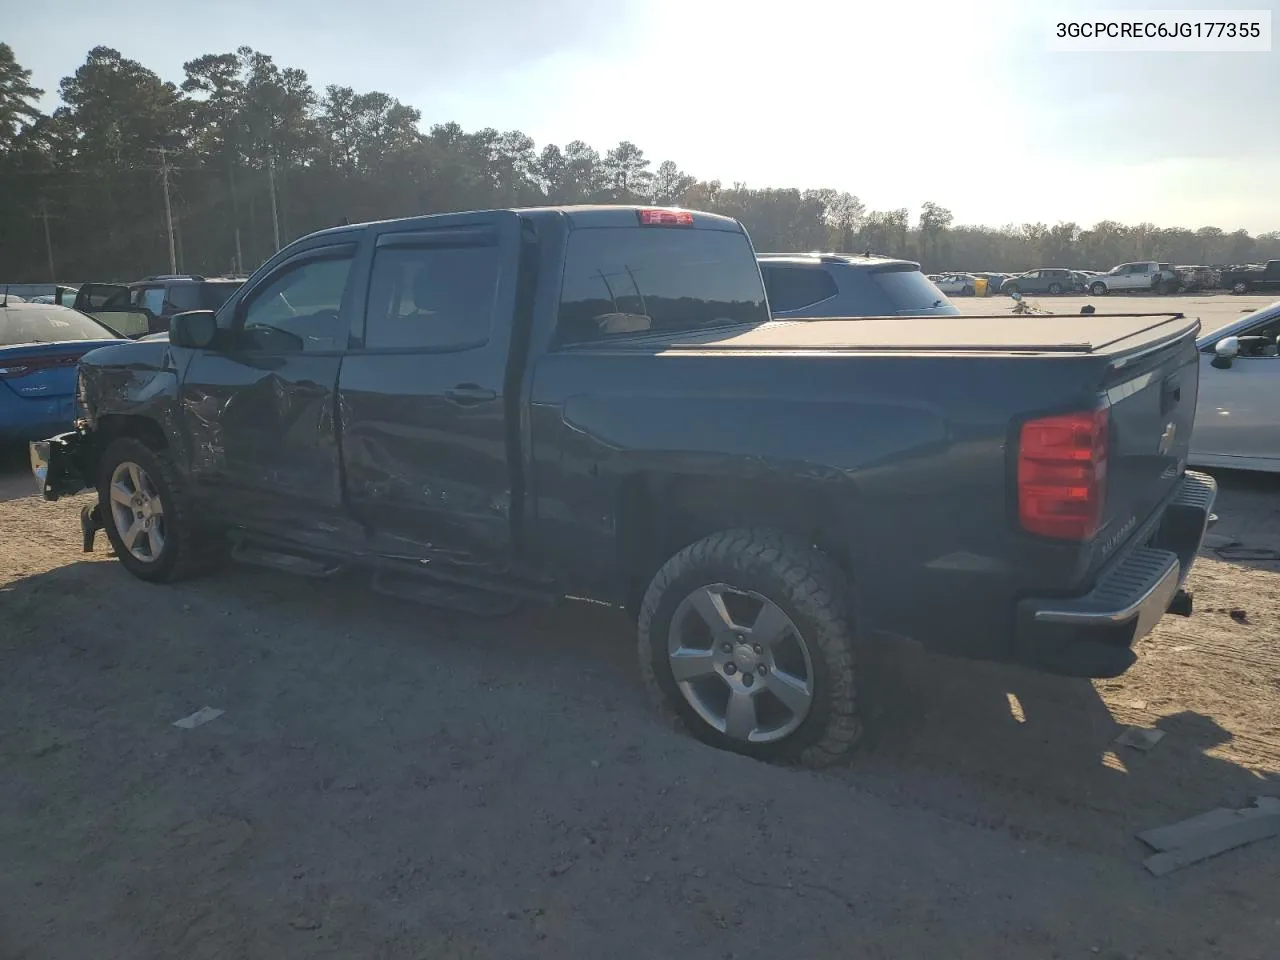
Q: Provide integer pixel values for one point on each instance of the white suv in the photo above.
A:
(1145, 275)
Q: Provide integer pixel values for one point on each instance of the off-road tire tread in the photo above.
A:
(814, 586)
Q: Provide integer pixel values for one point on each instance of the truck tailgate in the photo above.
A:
(1152, 396)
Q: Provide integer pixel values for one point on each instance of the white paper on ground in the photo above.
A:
(201, 716)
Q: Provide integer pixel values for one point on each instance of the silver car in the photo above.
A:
(1237, 421)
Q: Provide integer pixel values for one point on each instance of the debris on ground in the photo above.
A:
(200, 717)
(1238, 614)
(1140, 738)
(1241, 553)
(1216, 541)
(1209, 834)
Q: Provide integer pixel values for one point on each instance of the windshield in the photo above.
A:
(41, 323)
(1236, 326)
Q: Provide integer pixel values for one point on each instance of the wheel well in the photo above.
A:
(661, 515)
(116, 425)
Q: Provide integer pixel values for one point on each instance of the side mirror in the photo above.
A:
(1225, 351)
(195, 329)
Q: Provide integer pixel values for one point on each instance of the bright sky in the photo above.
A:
(897, 102)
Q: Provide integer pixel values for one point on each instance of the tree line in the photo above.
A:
(253, 156)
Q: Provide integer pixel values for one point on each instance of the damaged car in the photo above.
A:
(480, 410)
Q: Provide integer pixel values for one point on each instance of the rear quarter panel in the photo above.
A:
(910, 449)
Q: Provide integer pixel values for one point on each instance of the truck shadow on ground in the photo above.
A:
(1249, 511)
(994, 746)
(1036, 753)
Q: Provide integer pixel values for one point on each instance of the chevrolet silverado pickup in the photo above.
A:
(487, 408)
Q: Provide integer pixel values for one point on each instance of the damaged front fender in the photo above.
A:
(63, 465)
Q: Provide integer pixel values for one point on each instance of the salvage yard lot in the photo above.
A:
(392, 781)
(1214, 310)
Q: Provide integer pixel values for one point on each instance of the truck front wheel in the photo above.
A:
(746, 641)
(146, 513)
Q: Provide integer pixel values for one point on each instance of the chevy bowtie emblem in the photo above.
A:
(1166, 438)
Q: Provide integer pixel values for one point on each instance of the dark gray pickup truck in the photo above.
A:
(484, 408)
(1264, 280)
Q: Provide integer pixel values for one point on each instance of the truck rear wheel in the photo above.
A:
(746, 641)
(146, 513)
(1239, 287)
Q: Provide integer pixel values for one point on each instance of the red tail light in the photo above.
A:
(666, 218)
(1062, 474)
(26, 365)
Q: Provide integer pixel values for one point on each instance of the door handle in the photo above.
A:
(466, 394)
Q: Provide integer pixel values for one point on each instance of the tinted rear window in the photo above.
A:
(200, 296)
(216, 294)
(621, 281)
(889, 292)
(791, 288)
(47, 324)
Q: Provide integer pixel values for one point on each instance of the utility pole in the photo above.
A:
(48, 239)
(271, 182)
(168, 208)
(238, 266)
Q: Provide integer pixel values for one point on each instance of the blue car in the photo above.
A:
(40, 345)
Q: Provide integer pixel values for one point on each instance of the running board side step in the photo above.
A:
(396, 577)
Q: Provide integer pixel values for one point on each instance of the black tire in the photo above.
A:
(1239, 288)
(809, 589)
(966, 292)
(1098, 289)
(185, 552)
(1055, 289)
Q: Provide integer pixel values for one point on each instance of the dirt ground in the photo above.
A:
(389, 781)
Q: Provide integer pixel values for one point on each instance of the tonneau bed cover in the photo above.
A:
(1064, 333)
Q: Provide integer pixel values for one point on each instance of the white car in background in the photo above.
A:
(1237, 421)
(955, 283)
(1145, 275)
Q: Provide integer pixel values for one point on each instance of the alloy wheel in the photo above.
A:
(138, 511)
(741, 663)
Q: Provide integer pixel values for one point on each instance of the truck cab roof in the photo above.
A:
(578, 215)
